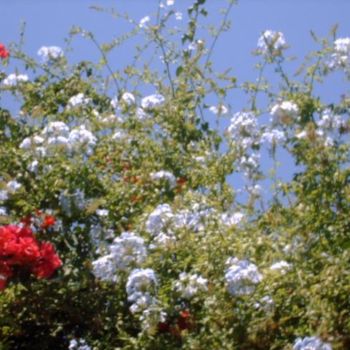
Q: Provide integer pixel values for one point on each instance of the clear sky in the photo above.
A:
(49, 21)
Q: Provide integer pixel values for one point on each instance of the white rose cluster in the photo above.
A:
(241, 276)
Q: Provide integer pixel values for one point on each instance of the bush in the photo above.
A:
(149, 245)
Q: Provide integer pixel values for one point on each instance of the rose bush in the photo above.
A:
(122, 203)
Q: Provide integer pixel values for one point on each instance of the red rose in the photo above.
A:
(48, 261)
(3, 52)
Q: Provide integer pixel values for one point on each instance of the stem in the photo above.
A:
(220, 31)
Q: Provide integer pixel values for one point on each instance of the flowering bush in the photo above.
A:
(122, 226)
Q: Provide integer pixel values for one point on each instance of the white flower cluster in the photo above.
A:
(244, 129)
(50, 53)
(152, 101)
(151, 317)
(284, 112)
(189, 285)
(140, 289)
(232, 219)
(341, 55)
(58, 134)
(311, 343)
(271, 43)
(13, 186)
(281, 266)
(126, 252)
(15, 79)
(78, 100)
(162, 222)
(273, 136)
(241, 276)
(328, 126)
(218, 110)
(164, 175)
(78, 344)
(143, 22)
(159, 219)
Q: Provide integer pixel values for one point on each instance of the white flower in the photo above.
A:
(284, 112)
(254, 190)
(143, 22)
(163, 240)
(232, 219)
(311, 343)
(13, 186)
(81, 137)
(194, 45)
(55, 129)
(273, 136)
(189, 285)
(119, 134)
(164, 175)
(14, 79)
(218, 110)
(281, 266)
(244, 128)
(151, 317)
(78, 100)
(141, 114)
(79, 344)
(241, 276)
(3, 211)
(128, 250)
(48, 53)
(266, 304)
(330, 121)
(58, 141)
(170, 2)
(33, 166)
(105, 269)
(271, 43)
(102, 212)
(139, 287)
(30, 142)
(128, 98)
(3, 195)
(152, 101)
(341, 55)
(159, 219)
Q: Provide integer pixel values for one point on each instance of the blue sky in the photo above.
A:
(49, 21)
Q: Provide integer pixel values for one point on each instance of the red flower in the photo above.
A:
(48, 262)
(184, 320)
(3, 52)
(49, 220)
